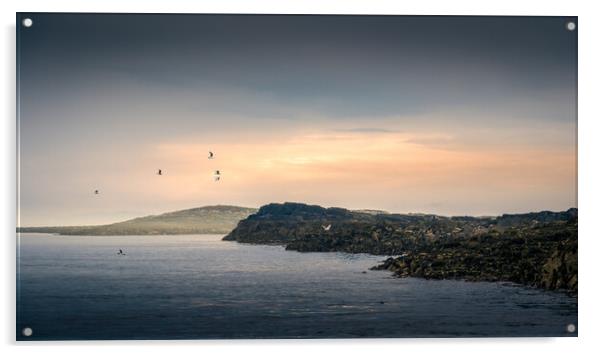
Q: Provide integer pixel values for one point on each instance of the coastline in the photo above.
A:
(534, 249)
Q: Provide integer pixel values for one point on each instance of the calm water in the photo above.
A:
(73, 287)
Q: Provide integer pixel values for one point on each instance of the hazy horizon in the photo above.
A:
(439, 115)
(257, 207)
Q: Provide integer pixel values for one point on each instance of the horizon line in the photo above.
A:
(291, 202)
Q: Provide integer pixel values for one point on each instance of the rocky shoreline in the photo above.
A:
(550, 262)
(534, 249)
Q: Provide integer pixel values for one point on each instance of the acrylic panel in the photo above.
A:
(212, 176)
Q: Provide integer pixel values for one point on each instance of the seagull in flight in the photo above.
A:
(160, 173)
(210, 155)
(326, 228)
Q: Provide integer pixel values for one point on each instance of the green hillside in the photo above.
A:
(219, 219)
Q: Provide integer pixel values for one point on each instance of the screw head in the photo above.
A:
(27, 331)
(571, 26)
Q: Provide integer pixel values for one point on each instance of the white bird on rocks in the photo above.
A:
(326, 228)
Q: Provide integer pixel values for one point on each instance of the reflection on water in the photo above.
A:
(197, 286)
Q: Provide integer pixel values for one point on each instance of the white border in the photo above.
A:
(590, 56)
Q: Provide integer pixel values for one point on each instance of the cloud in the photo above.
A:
(366, 130)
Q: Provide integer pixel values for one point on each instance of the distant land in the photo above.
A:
(219, 219)
(535, 249)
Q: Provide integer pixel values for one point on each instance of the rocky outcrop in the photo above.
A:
(282, 223)
(543, 256)
(301, 227)
(560, 269)
(536, 249)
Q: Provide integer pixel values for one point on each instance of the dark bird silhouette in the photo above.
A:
(96, 191)
(121, 252)
(216, 175)
(210, 155)
(160, 173)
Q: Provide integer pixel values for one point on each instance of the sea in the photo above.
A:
(200, 287)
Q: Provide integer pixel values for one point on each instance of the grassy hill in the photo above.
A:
(219, 219)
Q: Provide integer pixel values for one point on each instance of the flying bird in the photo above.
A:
(326, 228)
(96, 191)
(160, 173)
(210, 155)
(121, 252)
(216, 175)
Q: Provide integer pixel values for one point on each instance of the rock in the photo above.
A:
(534, 249)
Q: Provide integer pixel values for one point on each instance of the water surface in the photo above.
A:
(197, 286)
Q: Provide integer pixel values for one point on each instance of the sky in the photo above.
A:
(443, 115)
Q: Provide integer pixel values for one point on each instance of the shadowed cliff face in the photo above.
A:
(538, 249)
(305, 228)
